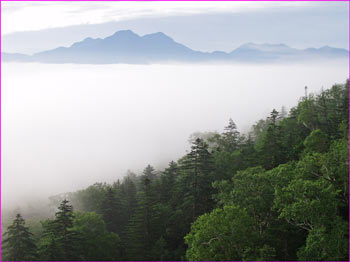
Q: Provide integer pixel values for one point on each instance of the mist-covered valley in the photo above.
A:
(65, 127)
(243, 138)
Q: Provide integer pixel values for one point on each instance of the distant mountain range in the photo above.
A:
(127, 47)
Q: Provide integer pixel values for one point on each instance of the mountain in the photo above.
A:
(15, 57)
(251, 52)
(127, 47)
(262, 52)
(121, 47)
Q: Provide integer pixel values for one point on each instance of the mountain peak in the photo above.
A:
(124, 34)
(327, 48)
(88, 39)
(157, 36)
(86, 42)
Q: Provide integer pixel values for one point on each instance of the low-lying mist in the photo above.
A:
(65, 127)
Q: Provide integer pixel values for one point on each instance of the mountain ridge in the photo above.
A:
(125, 46)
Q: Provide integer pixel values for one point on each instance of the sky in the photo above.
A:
(203, 26)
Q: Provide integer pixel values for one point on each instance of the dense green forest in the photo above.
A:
(280, 192)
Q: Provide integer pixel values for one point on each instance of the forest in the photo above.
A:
(277, 192)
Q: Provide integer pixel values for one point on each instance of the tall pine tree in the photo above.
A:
(19, 244)
(59, 241)
(198, 165)
(230, 139)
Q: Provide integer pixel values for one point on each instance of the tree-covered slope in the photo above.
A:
(280, 192)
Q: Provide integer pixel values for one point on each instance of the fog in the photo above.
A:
(65, 127)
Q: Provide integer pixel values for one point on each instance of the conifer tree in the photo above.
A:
(149, 172)
(143, 225)
(168, 182)
(59, 241)
(112, 211)
(129, 201)
(66, 237)
(231, 137)
(198, 165)
(19, 244)
(272, 150)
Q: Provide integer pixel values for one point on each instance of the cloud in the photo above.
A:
(28, 16)
(14, 6)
